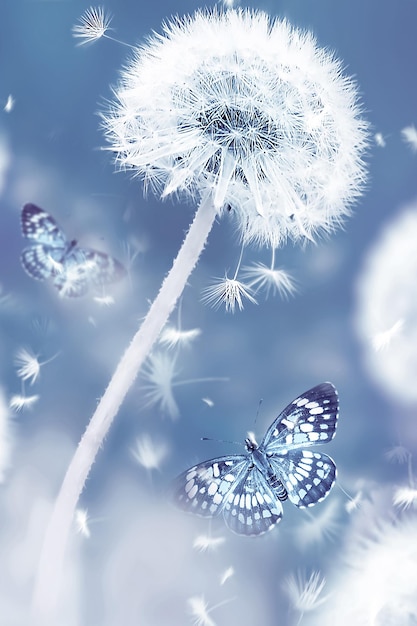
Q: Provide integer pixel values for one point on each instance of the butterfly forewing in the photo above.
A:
(310, 419)
(307, 476)
(37, 224)
(202, 489)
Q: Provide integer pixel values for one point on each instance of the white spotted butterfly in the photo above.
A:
(72, 269)
(248, 488)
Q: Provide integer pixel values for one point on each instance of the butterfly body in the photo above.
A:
(72, 269)
(248, 489)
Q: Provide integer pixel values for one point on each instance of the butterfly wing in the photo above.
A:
(36, 262)
(251, 507)
(233, 486)
(84, 268)
(309, 419)
(38, 225)
(307, 476)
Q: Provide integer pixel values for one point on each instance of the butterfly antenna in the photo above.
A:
(238, 443)
(258, 411)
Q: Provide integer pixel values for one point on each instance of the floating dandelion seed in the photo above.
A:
(398, 454)
(354, 503)
(380, 140)
(405, 497)
(28, 365)
(159, 373)
(228, 291)
(206, 543)
(5, 436)
(9, 106)
(261, 276)
(104, 300)
(200, 611)
(409, 135)
(228, 573)
(94, 23)
(172, 336)
(381, 340)
(305, 594)
(81, 522)
(208, 401)
(234, 110)
(324, 525)
(149, 454)
(19, 402)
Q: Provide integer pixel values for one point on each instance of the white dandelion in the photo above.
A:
(409, 135)
(305, 594)
(148, 453)
(228, 291)
(93, 25)
(230, 109)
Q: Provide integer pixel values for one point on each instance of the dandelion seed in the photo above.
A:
(405, 497)
(380, 341)
(380, 140)
(199, 610)
(354, 503)
(206, 543)
(228, 291)
(172, 336)
(208, 401)
(261, 276)
(228, 573)
(398, 454)
(94, 24)
(19, 402)
(305, 594)
(409, 135)
(323, 525)
(28, 364)
(148, 454)
(81, 522)
(159, 372)
(104, 300)
(9, 106)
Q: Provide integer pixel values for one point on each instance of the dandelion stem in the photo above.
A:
(56, 537)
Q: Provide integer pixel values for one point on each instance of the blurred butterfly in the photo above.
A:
(248, 488)
(72, 269)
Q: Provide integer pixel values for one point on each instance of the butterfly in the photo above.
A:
(73, 270)
(248, 489)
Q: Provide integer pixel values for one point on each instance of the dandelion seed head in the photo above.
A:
(149, 454)
(228, 291)
(94, 23)
(248, 110)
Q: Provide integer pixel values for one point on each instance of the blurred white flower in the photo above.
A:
(149, 454)
(380, 140)
(94, 23)
(5, 436)
(405, 497)
(9, 106)
(249, 110)
(305, 594)
(383, 339)
(172, 336)
(386, 307)
(81, 522)
(409, 135)
(228, 573)
(261, 276)
(19, 401)
(227, 291)
(322, 525)
(377, 583)
(206, 543)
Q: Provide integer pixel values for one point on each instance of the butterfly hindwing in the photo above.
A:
(37, 263)
(307, 476)
(310, 419)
